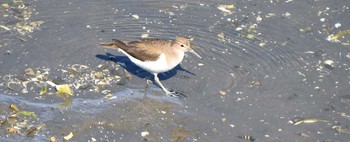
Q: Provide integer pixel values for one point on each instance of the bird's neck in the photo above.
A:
(175, 57)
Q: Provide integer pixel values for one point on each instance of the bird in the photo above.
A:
(154, 55)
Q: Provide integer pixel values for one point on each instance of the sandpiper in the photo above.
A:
(154, 55)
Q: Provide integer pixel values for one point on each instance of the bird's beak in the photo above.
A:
(195, 53)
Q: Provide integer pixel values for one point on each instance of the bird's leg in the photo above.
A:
(148, 80)
(160, 84)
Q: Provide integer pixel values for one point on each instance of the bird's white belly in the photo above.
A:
(157, 66)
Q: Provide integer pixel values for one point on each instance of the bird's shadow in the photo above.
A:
(132, 68)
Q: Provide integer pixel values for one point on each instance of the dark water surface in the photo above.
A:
(263, 68)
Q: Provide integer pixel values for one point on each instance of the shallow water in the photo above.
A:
(259, 72)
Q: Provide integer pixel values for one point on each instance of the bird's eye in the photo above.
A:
(182, 45)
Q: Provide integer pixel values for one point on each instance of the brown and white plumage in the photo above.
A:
(154, 55)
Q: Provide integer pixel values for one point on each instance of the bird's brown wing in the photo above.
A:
(146, 50)
(149, 43)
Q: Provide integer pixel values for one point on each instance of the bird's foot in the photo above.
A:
(170, 93)
(148, 81)
(177, 94)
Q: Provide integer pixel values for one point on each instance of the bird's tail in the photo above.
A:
(115, 44)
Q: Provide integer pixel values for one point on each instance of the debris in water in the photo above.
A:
(14, 107)
(144, 35)
(18, 121)
(348, 55)
(227, 8)
(53, 139)
(335, 37)
(144, 133)
(44, 89)
(179, 135)
(2, 122)
(221, 37)
(337, 25)
(287, 14)
(191, 39)
(67, 99)
(262, 44)
(51, 83)
(308, 121)
(339, 129)
(255, 84)
(303, 135)
(250, 36)
(36, 24)
(223, 119)
(33, 129)
(269, 15)
(13, 130)
(222, 92)
(4, 27)
(329, 64)
(29, 71)
(68, 137)
(64, 88)
(80, 76)
(305, 30)
(6, 5)
(135, 16)
(27, 113)
(247, 137)
(258, 19)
